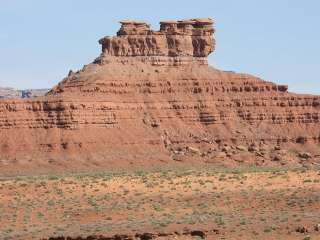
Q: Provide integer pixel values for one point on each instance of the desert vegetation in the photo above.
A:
(227, 204)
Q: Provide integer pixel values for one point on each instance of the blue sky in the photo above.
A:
(277, 40)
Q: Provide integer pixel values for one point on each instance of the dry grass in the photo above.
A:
(240, 204)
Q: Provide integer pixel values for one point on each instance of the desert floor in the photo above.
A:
(224, 204)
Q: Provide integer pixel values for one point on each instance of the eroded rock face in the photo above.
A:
(150, 98)
(186, 41)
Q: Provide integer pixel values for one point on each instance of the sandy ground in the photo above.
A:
(242, 204)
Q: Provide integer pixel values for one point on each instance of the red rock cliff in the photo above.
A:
(150, 99)
(177, 41)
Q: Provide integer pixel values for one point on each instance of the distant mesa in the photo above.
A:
(6, 92)
(151, 99)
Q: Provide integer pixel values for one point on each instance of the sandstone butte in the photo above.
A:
(151, 99)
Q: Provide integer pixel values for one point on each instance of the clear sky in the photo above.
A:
(277, 40)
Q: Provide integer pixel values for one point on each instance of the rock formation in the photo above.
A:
(184, 235)
(177, 42)
(151, 98)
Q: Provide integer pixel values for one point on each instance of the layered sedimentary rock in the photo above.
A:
(151, 98)
(177, 42)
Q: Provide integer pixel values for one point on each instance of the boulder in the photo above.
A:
(253, 148)
(242, 148)
(302, 229)
(193, 150)
(304, 155)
